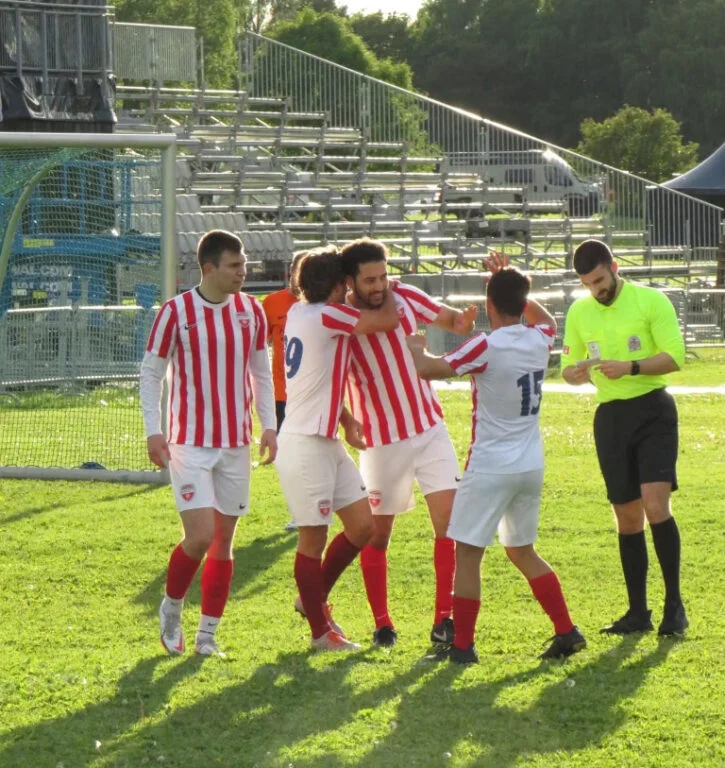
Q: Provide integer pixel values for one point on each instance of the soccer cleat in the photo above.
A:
(565, 645)
(385, 637)
(291, 526)
(629, 623)
(172, 638)
(205, 645)
(326, 609)
(443, 633)
(463, 655)
(333, 641)
(674, 621)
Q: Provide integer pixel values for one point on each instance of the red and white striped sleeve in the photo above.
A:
(164, 332)
(425, 308)
(260, 324)
(470, 357)
(548, 333)
(339, 319)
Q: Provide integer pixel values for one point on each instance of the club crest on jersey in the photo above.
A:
(401, 311)
(325, 506)
(375, 498)
(244, 319)
(634, 344)
(187, 491)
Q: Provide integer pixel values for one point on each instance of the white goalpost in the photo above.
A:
(87, 254)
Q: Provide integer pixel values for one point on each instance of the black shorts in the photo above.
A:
(636, 444)
(280, 407)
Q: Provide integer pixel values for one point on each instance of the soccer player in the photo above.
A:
(214, 339)
(502, 483)
(402, 425)
(624, 338)
(276, 306)
(317, 475)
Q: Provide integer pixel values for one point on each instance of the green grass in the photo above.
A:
(83, 681)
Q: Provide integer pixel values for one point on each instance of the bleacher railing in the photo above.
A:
(159, 54)
(633, 214)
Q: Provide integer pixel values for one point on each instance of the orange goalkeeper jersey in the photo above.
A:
(276, 306)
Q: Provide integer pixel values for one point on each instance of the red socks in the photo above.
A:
(339, 555)
(465, 613)
(216, 581)
(182, 569)
(374, 563)
(444, 560)
(308, 575)
(547, 590)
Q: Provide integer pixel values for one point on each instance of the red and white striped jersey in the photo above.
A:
(507, 370)
(317, 358)
(385, 392)
(218, 363)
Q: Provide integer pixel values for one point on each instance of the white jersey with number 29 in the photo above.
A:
(317, 358)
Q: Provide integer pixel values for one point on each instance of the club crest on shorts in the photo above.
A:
(244, 319)
(325, 506)
(634, 344)
(375, 498)
(187, 491)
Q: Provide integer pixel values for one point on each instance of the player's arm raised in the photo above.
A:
(428, 366)
(458, 321)
(378, 320)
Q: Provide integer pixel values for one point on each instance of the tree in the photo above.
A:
(387, 36)
(648, 144)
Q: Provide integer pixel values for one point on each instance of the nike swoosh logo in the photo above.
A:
(189, 327)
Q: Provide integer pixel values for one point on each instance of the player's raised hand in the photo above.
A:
(158, 450)
(496, 261)
(416, 343)
(465, 321)
(268, 446)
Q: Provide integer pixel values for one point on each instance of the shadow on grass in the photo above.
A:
(247, 724)
(297, 698)
(123, 493)
(70, 741)
(251, 560)
(569, 714)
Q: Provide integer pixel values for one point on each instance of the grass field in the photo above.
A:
(83, 680)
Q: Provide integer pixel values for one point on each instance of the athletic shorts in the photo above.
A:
(317, 476)
(389, 471)
(487, 503)
(636, 443)
(210, 477)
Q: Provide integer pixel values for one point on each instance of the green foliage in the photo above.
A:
(648, 144)
(331, 37)
(84, 682)
(387, 36)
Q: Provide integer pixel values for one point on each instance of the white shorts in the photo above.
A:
(317, 476)
(485, 503)
(389, 471)
(210, 477)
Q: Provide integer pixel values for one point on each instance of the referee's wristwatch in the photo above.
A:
(634, 371)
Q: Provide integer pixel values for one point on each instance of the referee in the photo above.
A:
(624, 338)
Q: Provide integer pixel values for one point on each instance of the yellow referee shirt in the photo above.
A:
(640, 323)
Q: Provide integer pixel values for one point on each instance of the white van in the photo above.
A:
(536, 176)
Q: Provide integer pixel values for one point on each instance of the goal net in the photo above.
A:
(86, 256)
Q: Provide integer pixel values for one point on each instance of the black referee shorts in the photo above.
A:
(636, 444)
